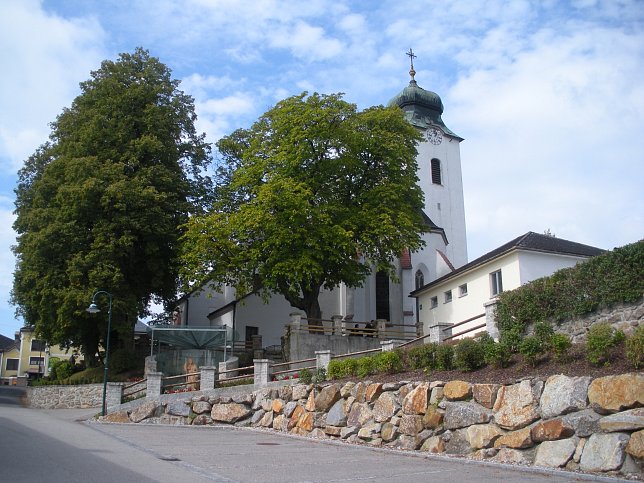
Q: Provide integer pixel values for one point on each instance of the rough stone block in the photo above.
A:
(612, 394)
(556, 454)
(457, 390)
(563, 394)
(516, 406)
(604, 452)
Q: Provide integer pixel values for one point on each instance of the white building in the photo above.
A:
(461, 296)
(440, 179)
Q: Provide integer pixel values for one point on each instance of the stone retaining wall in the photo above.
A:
(73, 397)
(624, 317)
(571, 423)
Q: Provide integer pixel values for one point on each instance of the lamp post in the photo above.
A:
(93, 309)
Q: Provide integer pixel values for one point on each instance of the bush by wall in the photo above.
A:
(607, 279)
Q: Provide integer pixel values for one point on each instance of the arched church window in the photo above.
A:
(436, 171)
(420, 279)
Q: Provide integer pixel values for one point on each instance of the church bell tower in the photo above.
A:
(439, 169)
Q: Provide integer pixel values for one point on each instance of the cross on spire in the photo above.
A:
(411, 56)
(412, 72)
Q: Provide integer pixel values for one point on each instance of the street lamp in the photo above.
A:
(93, 309)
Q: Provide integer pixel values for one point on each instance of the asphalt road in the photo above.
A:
(58, 446)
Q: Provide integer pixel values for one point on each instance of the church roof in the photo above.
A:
(433, 227)
(530, 241)
(422, 108)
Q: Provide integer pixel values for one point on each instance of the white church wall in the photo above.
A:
(270, 319)
(196, 307)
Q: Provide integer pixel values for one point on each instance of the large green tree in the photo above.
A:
(314, 194)
(100, 206)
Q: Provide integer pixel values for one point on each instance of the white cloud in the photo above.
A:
(307, 42)
(50, 56)
(218, 117)
(554, 139)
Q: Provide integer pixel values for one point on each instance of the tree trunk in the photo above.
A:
(311, 305)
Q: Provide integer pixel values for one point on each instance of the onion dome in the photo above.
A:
(422, 107)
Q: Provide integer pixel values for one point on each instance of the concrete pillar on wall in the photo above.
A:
(150, 365)
(381, 325)
(438, 332)
(153, 389)
(113, 394)
(490, 319)
(387, 345)
(296, 320)
(322, 359)
(263, 372)
(208, 377)
(339, 326)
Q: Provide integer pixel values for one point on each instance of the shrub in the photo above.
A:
(444, 357)
(497, 354)
(423, 357)
(635, 348)
(339, 369)
(531, 348)
(469, 355)
(60, 370)
(319, 376)
(306, 376)
(366, 366)
(388, 362)
(560, 345)
(543, 331)
(511, 339)
(600, 341)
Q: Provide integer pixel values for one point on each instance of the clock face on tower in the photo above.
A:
(434, 136)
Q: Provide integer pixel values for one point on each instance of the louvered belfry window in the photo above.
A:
(436, 171)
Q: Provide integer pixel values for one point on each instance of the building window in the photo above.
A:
(420, 279)
(12, 365)
(496, 283)
(36, 361)
(462, 290)
(433, 302)
(436, 171)
(448, 296)
(37, 346)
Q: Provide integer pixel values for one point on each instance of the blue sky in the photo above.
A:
(548, 94)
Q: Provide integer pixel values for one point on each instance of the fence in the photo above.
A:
(265, 371)
(337, 325)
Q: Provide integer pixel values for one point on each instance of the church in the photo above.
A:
(379, 298)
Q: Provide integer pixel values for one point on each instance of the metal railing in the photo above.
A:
(190, 380)
(130, 391)
(248, 373)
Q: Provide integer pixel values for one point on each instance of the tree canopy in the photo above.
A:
(100, 206)
(314, 194)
